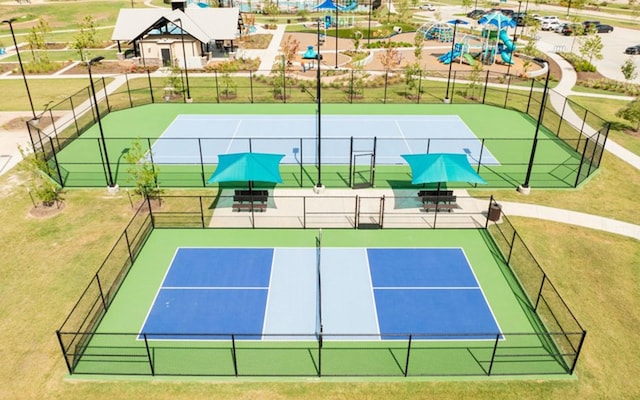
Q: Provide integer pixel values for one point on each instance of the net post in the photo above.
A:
(493, 355)
(351, 162)
(406, 364)
(234, 356)
(64, 352)
(146, 345)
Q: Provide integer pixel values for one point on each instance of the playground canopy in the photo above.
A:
(499, 20)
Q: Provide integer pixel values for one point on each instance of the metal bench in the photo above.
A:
(249, 207)
(440, 207)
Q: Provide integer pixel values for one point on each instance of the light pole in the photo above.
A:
(337, 23)
(524, 188)
(318, 93)
(24, 77)
(369, 28)
(184, 57)
(94, 60)
(453, 43)
(568, 8)
(515, 31)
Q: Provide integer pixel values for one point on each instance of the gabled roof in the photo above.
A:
(204, 24)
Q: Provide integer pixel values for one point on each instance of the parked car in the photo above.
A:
(476, 14)
(573, 30)
(560, 28)
(603, 28)
(427, 7)
(589, 24)
(548, 18)
(633, 49)
(549, 25)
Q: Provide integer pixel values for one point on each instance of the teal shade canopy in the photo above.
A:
(441, 167)
(237, 167)
(498, 20)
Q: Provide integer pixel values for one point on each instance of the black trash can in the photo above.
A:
(495, 211)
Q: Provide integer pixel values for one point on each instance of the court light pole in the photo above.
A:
(337, 23)
(110, 182)
(524, 188)
(24, 76)
(184, 58)
(453, 43)
(319, 186)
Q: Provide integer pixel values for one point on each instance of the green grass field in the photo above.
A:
(525, 350)
(507, 134)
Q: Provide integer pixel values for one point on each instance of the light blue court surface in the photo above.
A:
(189, 136)
(367, 294)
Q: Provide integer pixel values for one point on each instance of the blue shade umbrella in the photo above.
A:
(499, 20)
(441, 167)
(326, 5)
(250, 167)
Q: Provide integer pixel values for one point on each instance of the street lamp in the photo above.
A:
(524, 188)
(318, 93)
(453, 43)
(337, 23)
(568, 8)
(94, 60)
(515, 31)
(24, 77)
(184, 57)
(369, 28)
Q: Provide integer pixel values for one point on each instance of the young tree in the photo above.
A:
(418, 42)
(629, 69)
(38, 44)
(290, 49)
(390, 57)
(86, 37)
(466, 4)
(142, 172)
(40, 184)
(357, 37)
(591, 47)
(631, 113)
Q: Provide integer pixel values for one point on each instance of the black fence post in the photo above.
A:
(506, 96)
(153, 223)
(564, 105)
(320, 340)
(153, 164)
(64, 353)
(544, 278)
(493, 355)
(301, 167)
(251, 86)
(204, 182)
(486, 221)
(578, 350)
(215, 75)
(406, 364)
(351, 88)
(126, 78)
(146, 345)
(201, 212)
(126, 238)
(104, 302)
(55, 160)
(150, 86)
(234, 356)
(419, 86)
(106, 95)
(453, 86)
(513, 240)
(75, 118)
(55, 130)
(486, 86)
(533, 81)
(386, 79)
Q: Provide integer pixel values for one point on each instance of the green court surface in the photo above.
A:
(507, 134)
(526, 348)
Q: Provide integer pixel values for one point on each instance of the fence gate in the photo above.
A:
(369, 212)
(362, 165)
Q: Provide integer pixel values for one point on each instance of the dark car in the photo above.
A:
(633, 49)
(603, 28)
(476, 14)
(573, 30)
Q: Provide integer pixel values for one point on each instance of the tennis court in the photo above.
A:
(357, 303)
(185, 139)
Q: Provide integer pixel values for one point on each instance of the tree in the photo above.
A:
(412, 75)
(631, 113)
(402, 10)
(629, 69)
(357, 37)
(38, 45)
(466, 4)
(591, 47)
(46, 190)
(86, 37)
(290, 49)
(418, 41)
(390, 57)
(142, 172)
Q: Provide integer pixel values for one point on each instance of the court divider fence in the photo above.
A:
(552, 348)
(71, 117)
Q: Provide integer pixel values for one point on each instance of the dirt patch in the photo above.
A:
(56, 46)
(110, 67)
(590, 76)
(44, 212)
(20, 123)
(258, 41)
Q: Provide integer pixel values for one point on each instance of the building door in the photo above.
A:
(166, 57)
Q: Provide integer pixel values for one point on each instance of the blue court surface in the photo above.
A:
(367, 294)
(189, 136)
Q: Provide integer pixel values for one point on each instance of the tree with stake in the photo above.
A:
(629, 69)
(631, 113)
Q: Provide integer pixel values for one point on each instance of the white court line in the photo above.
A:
(266, 305)
(373, 295)
(404, 138)
(235, 133)
(426, 288)
(215, 287)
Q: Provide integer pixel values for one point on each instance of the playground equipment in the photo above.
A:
(437, 31)
(497, 39)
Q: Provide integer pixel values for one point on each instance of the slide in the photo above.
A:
(449, 57)
(469, 59)
(509, 47)
(351, 6)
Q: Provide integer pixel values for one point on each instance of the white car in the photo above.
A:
(427, 7)
(549, 25)
(548, 18)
